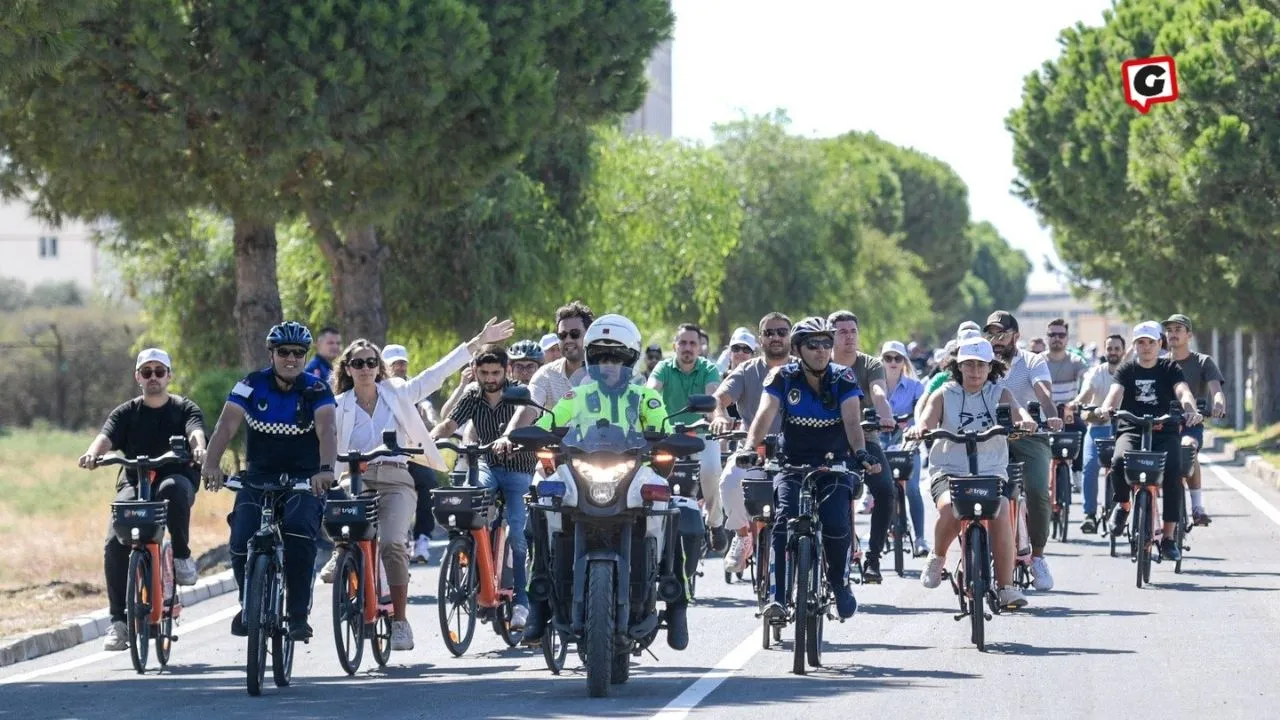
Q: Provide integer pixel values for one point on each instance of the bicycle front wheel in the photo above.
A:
(803, 563)
(976, 559)
(1142, 535)
(900, 526)
(456, 598)
(258, 597)
(348, 610)
(1062, 486)
(503, 613)
(138, 608)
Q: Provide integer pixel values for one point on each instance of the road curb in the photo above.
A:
(84, 628)
(1253, 464)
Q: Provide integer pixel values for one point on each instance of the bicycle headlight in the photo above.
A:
(601, 480)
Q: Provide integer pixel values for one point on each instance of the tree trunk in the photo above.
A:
(357, 285)
(1227, 364)
(1266, 378)
(257, 295)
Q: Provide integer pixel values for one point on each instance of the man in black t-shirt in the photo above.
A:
(143, 426)
(1148, 385)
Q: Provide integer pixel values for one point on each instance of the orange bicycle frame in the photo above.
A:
(369, 550)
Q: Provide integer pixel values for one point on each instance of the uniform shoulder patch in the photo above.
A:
(242, 389)
(849, 375)
(570, 395)
(654, 403)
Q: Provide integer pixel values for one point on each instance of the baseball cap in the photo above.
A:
(975, 349)
(743, 336)
(1004, 319)
(392, 353)
(1180, 319)
(1149, 329)
(153, 355)
(966, 326)
(548, 341)
(967, 334)
(893, 346)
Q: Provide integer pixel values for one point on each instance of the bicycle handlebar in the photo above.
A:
(985, 435)
(1146, 420)
(384, 450)
(298, 483)
(731, 435)
(469, 450)
(141, 461)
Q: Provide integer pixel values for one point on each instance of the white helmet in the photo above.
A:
(613, 332)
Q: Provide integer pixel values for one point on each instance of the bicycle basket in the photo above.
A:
(1106, 449)
(684, 475)
(1188, 454)
(901, 464)
(1139, 464)
(1012, 488)
(1065, 441)
(359, 516)
(758, 494)
(968, 493)
(149, 518)
(464, 508)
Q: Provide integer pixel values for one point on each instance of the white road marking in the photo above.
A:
(679, 708)
(220, 616)
(1249, 493)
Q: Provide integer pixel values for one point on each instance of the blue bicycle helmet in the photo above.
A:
(289, 333)
(526, 350)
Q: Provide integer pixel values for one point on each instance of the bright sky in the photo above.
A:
(936, 75)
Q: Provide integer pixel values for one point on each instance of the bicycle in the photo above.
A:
(359, 610)
(734, 438)
(1065, 446)
(1106, 451)
(758, 497)
(1144, 470)
(264, 609)
(975, 499)
(1013, 492)
(141, 524)
(902, 464)
(472, 583)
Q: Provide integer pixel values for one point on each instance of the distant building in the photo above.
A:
(1086, 323)
(654, 117)
(35, 252)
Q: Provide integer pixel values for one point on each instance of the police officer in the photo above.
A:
(291, 431)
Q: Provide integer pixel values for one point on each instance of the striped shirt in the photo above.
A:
(490, 422)
(1065, 375)
(1026, 369)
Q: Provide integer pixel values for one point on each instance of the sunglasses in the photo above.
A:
(295, 353)
(742, 349)
(573, 334)
(362, 363)
(894, 359)
(1003, 334)
(159, 372)
(1057, 335)
(777, 332)
(818, 344)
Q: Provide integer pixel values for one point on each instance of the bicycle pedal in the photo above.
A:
(986, 615)
(961, 616)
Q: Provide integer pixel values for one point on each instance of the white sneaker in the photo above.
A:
(519, 617)
(1041, 577)
(1010, 597)
(401, 635)
(185, 572)
(331, 567)
(421, 549)
(931, 576)
(117, 637)
(739, 551)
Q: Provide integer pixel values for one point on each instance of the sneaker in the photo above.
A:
(1041, 579)
(301, 632)
(117, 637)
(931, 576)
(736, 560)
(1090, 524)
(719, 539)
(331, 567)
(871, 571)
(846, 603)
(922, 548)
(421, 550)
(775, 611)
(401, 635)
(1010, 597)
(1199, 517)
(184, 571)
(1169, 550)
(238, 628)
(536, 623)
(519, 616)
(677, 626)
(1119, 522)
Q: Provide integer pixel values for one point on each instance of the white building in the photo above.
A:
(36, 252)
(654, 117)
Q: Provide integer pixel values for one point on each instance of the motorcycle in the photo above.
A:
(610, 533)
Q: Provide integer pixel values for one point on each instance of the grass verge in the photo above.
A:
(1264, 442)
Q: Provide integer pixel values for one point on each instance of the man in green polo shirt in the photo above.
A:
(689, 373)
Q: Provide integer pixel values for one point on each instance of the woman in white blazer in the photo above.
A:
(369, 401)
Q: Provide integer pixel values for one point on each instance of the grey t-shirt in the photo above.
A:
(744, 386)
(868, 369)
(1199, 369)
(1065, 376)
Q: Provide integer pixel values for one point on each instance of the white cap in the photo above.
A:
(548, 341)
(975, 349)
(153, 355)
(968, 334)
(893, 346)
(392, 353)
(967, 325)
(1149, 329)
(743, 336)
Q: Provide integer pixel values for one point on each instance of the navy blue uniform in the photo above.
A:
(281, 439)
(812, 428)
(319, 368)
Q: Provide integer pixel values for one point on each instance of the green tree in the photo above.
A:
(1001, 269)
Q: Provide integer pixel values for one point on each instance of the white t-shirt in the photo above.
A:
(1098, 379)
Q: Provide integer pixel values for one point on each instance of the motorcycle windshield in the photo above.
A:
(591, 431)
(603, 437)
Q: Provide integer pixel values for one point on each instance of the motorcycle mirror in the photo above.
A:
(681, 445)
(517, 395)
(533, 437)
(699, 404)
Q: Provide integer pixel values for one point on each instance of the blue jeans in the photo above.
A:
(300, 526)
(1091, 465)
(915, 503)
(513, 485)
(834, 495)
(881, 488)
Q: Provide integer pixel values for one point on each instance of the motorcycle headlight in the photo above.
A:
(601, 480)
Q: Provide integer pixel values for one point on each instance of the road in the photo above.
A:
(1197, 644)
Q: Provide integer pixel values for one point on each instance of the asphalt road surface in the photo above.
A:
(1198, 644)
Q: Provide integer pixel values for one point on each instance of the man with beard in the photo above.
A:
(143, 426)
(1096, 384)
(1205, 380)
(743, 388)
(1066, 370)
(1028, 380)
(870, 374)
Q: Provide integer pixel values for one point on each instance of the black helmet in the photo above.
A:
(526, 350)
(809, 327)
(289, 333)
